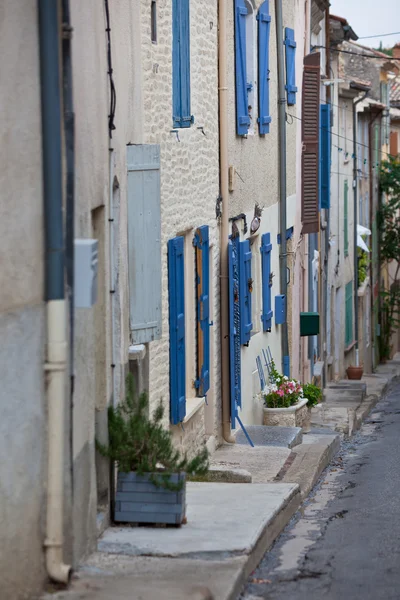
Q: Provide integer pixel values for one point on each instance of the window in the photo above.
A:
(202, 246)
(154, 21)
(346, 218)
(256, 284)
(181, 64)
(245, 291)
(144, 246)
(245, 63)
(349, 314)
(325, 156)
(264, 23)
(267, 313)
(310, 144)
(290, 55)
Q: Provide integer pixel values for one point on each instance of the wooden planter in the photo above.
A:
(354, 372)
(294, 416)
(138, 500)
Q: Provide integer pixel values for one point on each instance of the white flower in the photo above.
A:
(290, 391)
(285, 378)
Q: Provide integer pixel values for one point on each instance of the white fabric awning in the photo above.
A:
(361, 230)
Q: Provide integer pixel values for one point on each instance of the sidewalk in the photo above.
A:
(230, 525)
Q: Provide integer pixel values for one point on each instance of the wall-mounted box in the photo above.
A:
(85, 273)
(280, 309)
(309, 323)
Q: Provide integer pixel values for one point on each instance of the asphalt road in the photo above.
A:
(344, 544)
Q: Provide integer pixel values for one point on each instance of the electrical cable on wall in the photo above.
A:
(113, 95)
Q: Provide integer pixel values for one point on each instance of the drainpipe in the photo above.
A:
(223, 157)
(282, 180)
(355, 217)
(69, 138)
(56, 360)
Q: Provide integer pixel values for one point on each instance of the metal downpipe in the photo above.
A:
(56, 360)
(223, 151)
(282, 180)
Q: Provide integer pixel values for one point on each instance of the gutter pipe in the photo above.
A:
(355, 217)
(56, 359)
(282, 180)
(224, 238)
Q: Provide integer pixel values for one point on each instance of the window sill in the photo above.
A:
(349, 347)
(193, 405)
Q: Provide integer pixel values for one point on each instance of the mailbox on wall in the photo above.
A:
(309, 323)
(280, 309)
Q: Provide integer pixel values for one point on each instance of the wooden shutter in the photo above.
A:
(264, 23)
(267, 313)
(181, 64)
(234, 330)
(176, 294)
(394, 149)
(246, 284)
(242, 105)
(346, 218)
(201, 243)
(144, 242)
(290, 56)
(325, 153)
(348, 314)
(310, 143)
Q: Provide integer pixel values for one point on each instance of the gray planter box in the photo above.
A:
(138, 500)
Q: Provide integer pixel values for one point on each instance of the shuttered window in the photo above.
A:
(349, 314)
(394, 143)
(246, 286)
(267, 313)
(242, 105)
(290, 56)
(234, 330)
(176, 295)
(201, 243)
(346, 218)
(264, 22)
(325, 154)
(310, 144)
(144, 246)
(181, 64)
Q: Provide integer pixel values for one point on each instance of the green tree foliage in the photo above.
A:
(389, 229)
(140, 443)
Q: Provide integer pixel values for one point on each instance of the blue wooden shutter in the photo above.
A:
(348, 338)
(325, 152)
(245, 291)
(290, 45)
(264, 22)
(267, 312)
(181, 64)
(242, 105)
(201, 242)
(144, 242)
(234, 330)
(176, 290)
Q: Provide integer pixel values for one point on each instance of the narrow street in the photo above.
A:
(345, 541)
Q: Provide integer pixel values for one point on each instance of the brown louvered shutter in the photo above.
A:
(394, 148)
(310, 143)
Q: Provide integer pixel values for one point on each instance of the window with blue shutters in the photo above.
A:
(181, 64)
(234, 329)
(267, 312)
(290, 55)
(245, 290)
(242, 84)
(201, 243)
(325, 156)
(348, 337)
(264, 22)
(176, 295)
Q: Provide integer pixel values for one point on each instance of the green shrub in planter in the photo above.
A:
(313, 393)
(139, 444)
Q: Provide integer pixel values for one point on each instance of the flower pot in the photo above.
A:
(294, 416)
(139, 500)
(354, 372)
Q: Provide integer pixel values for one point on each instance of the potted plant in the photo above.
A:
(151, 481)
(354, 372)
(284, 401)
(313, 394)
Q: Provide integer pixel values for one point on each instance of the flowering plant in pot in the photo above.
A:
(151, 483)
(284, 401)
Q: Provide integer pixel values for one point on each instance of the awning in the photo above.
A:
(361, 230)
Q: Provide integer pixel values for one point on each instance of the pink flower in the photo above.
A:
(280, 393)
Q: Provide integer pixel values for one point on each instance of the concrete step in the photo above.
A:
(348, 384)
(263, 435)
